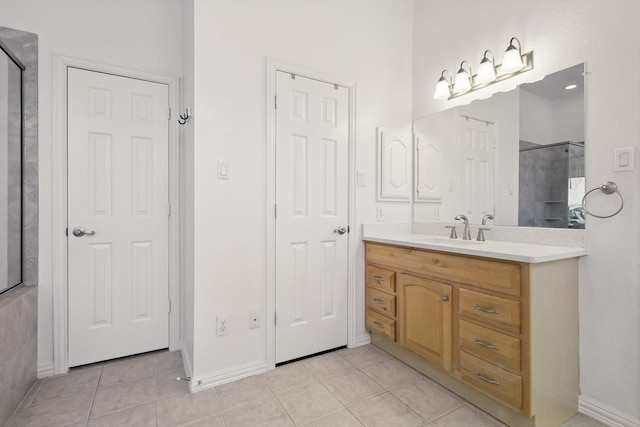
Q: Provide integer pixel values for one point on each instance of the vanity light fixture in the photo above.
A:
(486, 69)
(462, 83)
(443, 87)
(514, 63)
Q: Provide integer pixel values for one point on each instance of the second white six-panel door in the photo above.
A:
(118, 299)
(312, 157)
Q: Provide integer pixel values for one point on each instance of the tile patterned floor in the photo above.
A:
(352, 387)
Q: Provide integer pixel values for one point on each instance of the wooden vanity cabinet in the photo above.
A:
(501, 334)
(381, 301)
(425, 302)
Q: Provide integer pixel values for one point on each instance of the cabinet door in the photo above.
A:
(425, 318)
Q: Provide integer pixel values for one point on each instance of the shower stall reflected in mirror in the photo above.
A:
(10, 169)
(552, 185)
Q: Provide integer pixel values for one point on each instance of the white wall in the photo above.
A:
(568, 118)
(536, 118)
(362, 41)
(141, 35)
(565, 33)
(546, 121)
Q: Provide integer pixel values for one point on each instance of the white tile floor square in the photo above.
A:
(356, 387)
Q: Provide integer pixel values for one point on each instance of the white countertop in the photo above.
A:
(511, 251)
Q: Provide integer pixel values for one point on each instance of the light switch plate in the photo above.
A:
(223, 170)
(624, 159)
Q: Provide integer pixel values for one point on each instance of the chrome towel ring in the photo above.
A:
(609, 187)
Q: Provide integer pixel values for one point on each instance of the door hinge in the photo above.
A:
(66, 232)
(275, 318)
(169, 306)
(169, 209)
(275, 211)
(169, 118)
(275, 102)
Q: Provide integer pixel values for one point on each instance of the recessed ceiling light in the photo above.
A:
(571, 87)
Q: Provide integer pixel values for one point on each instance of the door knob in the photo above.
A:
(79, 232)
(340, 230)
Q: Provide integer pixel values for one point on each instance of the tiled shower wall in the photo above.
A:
(18, 306)
(18, 346)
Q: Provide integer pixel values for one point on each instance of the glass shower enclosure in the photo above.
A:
(10, 169)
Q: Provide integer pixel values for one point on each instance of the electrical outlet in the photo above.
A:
(254, 319)
(223, 326)
(380, 214)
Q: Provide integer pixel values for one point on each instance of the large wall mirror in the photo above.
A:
(518, 155)
(10, 169)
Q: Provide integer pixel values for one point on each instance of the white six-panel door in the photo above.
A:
(476, 168)
(312, 158)
(118, 193)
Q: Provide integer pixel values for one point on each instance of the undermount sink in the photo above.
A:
(454, 242)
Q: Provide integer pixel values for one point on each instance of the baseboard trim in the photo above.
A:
(45, 371)
(605, 414)
(363, 339)
(203, 382)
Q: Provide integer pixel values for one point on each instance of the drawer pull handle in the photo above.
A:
(378, 325)
(483, 309)
(378, 279)
(484, 344)
(378, 301)
(487, 380)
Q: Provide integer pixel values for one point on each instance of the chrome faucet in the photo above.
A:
(487, 217)
(481, 230)
(466, 233)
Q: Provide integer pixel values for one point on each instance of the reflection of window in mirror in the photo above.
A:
(10, 170)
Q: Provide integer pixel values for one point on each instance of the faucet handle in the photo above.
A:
(453, 234)
(481, 231)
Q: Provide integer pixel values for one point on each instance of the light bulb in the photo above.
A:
(463, 79)
(443, 90)
(486, 70)
(512, 60)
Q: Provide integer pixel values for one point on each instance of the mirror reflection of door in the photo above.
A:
(475, 168)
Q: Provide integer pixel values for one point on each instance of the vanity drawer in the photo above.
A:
(381, 325)
(381, 301)
(498, 276)
(491, 346)
(498, 383)
(381, 278)
(490, 310)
